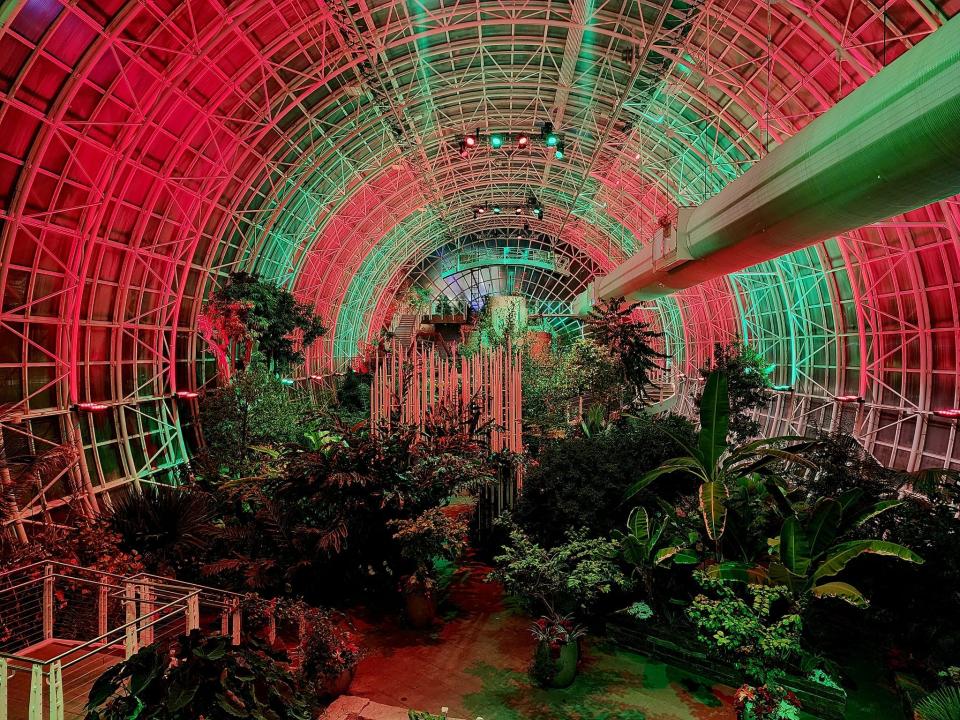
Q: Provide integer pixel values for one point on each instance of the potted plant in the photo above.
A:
(558, 651)
(433, 534)
(558, 583)
(329, 654)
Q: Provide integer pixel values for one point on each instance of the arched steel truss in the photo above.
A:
(148, 147)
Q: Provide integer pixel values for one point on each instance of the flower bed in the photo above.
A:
(668, 645)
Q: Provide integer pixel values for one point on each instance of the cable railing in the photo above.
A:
(62, 626)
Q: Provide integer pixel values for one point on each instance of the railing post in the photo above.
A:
(235, 619)
(271, 625)
(35, 711)
(193, 612)
(56, 691)
(47, 601)
(3, 688)
(146, 610)
(224, 624)
(103, 602)
(131, 639)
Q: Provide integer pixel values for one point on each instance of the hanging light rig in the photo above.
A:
(508, 141)
(532, 207)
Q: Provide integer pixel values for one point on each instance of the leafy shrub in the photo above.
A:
(432, 534)
(567, 578)
(255, 409)
(580, 482)
(198, 677)
(759, 632)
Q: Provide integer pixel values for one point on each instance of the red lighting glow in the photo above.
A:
(187, 394)
(848, 398)
(470, 141)
(523, 140)
(92, 406)
(952, 413)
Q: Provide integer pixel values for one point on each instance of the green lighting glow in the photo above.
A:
(496, 141)
(552, 139)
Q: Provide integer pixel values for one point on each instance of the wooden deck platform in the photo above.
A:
(77, 678)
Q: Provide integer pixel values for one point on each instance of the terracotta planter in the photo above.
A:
(421, 608)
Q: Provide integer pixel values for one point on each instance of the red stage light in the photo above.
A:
(523, 140)
(187, 394)
(470, 141)
(848, 398)
(92, 406)
(952, 413)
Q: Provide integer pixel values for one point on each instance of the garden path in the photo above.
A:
(475, 661)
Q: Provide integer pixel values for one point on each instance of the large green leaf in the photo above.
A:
(713, 507)
(737, 571)
(842, 554)
(794, 547)
(664, 554)
(714, 419)
(686, 556)
(844, 591)
(676, 464)
(639, 524)
(824, 525)
(876, 509)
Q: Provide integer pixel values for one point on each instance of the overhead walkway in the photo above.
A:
(891, 146)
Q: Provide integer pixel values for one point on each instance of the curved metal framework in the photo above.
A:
(148, 147)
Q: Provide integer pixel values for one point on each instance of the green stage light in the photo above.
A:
(558, 152)
(552, 139)
(496, 141)
(496, 209)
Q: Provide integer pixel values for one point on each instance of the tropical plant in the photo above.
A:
(748, 381)
(717, 464)
(808, 552)
(811, 549)
(170, 527)
(651, 542)
(569, 578)
(942, 704)
(198, 678)
(331, 511)
(616, 325)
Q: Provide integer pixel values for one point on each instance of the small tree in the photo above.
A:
(248, 311)
(616, 325)
(747, 384)
(255, 409)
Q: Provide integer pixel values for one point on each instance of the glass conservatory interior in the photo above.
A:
(579, 359)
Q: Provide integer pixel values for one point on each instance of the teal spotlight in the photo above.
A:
(496, 141)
